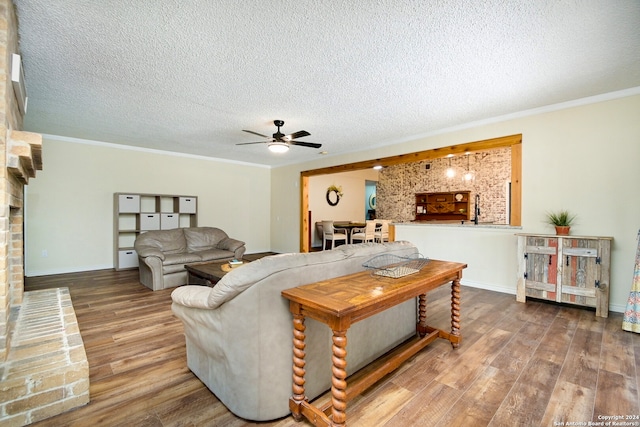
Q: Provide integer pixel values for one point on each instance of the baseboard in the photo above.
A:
(501, 289)
(616, 308)
(35, 273)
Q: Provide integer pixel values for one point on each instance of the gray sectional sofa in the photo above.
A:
(239, 334)
(164, 253)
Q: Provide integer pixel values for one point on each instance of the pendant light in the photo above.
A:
(468, 176)
(450, 171)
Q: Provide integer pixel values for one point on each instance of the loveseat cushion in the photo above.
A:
(230, 244)
(203, 238)
(180, 258)
(214, 254)
(175, 268)
(167, 241)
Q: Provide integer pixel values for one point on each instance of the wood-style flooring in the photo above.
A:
(530, 364)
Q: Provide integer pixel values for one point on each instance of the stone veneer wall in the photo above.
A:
(43, 364)
(398, 184)
(10, 190)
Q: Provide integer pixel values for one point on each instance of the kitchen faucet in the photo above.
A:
(477, 210)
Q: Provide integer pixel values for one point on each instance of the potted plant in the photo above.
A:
(561, 220)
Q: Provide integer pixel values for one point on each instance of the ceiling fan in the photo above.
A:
(279, 142)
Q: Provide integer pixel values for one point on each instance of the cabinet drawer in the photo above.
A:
(440, 207)
(585, 252)
(440, 198)
(128, 203)
(127, 259)
(169, 221)
(187, 205)
(149, 221)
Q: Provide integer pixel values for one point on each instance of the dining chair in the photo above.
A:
(382, 232)
(329, 232)
(366, 234)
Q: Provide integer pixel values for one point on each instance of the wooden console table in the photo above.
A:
(345, 300)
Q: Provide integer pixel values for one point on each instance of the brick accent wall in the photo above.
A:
(46, 372)
(491, 169)
(43, 364)
(10, 193)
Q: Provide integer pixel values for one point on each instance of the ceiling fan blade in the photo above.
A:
(299, 134)
(248, 143)
(256, 133)
(305, 144)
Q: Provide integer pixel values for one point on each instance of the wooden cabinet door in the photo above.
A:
(541, 267)
(565, 269)
(580, 271)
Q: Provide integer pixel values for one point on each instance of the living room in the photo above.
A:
(580, 154)
(579, 157)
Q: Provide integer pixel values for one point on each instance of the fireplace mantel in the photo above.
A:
(24, 155)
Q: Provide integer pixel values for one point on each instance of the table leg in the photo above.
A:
(422, 315)
(298, 365)
(455, 311)
(338, 382)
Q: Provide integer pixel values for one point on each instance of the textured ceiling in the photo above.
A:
(188, 76)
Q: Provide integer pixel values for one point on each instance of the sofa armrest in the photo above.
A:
(230, 244)
(146, 251)
(192, 296)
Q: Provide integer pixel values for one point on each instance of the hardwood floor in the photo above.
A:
(518, 365)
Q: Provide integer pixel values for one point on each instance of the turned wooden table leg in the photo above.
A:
(298, 366)
(455, 312)
(338, 382)
(422, 315)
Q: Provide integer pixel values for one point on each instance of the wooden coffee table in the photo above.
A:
(210, 273)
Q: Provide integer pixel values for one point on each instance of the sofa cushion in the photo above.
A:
(167, 241)
(214, 255)
(240, 279)
(180, 258)
(230, 244)
(203, 238)
(174, 268)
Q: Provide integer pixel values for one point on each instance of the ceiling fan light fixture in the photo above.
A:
(278, 147)
(279, 142)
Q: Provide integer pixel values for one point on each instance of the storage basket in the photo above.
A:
(389, 265)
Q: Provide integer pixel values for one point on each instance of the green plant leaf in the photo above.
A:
(561, 218)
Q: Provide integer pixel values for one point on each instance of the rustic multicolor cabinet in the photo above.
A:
(565, 269)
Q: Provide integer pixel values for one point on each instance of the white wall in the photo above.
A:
(69, 205)
(584, 157)
(481, 248)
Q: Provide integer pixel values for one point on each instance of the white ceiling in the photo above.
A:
(188, 76)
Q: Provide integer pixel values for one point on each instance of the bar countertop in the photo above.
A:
(460, 224)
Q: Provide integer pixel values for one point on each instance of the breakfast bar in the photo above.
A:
(345, 300)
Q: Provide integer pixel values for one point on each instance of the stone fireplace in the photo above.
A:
(43, 364)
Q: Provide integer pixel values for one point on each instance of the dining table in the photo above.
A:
(348, 226)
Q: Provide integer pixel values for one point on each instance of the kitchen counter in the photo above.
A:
(460, 224)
